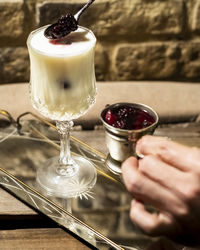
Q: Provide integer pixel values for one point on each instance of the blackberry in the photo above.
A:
(65, 25)
(65, 85)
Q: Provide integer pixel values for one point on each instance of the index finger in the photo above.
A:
(149, 191)
(180, 156)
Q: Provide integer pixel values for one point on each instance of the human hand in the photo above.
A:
(167, 178)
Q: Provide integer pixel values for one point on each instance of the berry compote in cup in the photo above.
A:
(124, 124)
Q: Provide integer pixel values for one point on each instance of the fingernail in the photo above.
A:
(137, 149)
(139, 155)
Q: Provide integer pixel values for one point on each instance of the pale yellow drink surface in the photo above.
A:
(62, 82)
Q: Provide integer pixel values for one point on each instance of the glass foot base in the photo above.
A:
(113, 165)
(64, 186)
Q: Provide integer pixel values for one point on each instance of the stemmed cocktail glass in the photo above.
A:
(63, 88)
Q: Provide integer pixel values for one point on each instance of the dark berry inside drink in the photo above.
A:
(127, 117)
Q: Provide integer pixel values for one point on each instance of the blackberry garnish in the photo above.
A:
(65, 25)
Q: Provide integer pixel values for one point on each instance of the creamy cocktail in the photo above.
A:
(63, 88)
(62, 73)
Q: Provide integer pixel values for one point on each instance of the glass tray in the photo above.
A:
(100, 216)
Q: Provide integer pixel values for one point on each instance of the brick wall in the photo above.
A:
(137, 39)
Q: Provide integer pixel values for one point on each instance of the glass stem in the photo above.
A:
(66, 164)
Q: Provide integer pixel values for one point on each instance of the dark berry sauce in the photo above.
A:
(125, 116)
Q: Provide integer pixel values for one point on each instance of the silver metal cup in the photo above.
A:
(121, 142)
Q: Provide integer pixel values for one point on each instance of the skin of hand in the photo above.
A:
(167, 178)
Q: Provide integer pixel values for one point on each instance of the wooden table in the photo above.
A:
(21, 228)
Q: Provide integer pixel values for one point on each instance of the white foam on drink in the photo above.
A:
(75, 43)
